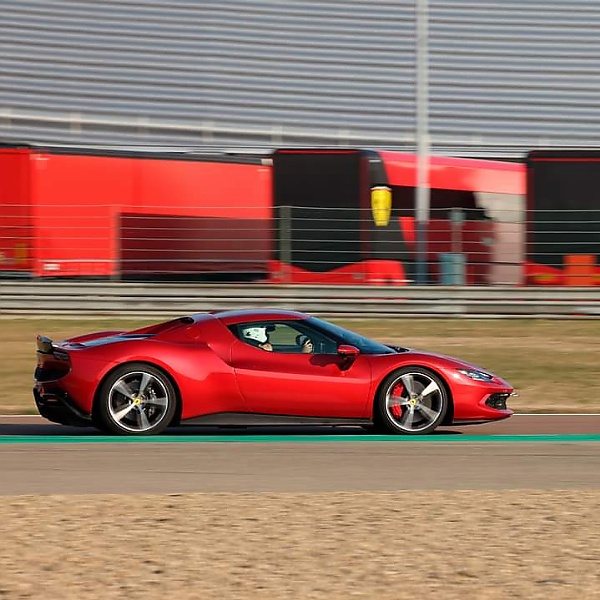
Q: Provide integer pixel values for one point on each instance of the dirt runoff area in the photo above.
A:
(471, 544)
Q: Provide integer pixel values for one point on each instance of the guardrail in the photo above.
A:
(49, 298)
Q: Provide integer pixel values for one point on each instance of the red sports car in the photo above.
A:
(256, 366)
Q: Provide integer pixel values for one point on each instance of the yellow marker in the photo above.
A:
(381, 205)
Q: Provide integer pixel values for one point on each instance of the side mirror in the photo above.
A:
(348, 351)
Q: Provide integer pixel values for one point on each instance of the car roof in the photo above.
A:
(232, 317)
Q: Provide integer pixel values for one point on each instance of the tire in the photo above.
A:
(403, 408)
(136, 399)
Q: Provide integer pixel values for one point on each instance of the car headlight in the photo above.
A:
(476, 375)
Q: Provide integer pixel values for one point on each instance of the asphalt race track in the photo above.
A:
(524, 452)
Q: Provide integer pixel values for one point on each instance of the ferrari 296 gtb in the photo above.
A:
(256, 367)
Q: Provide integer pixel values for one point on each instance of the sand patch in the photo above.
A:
(471, 544)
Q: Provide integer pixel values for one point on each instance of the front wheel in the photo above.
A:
(136, 399)
(412, 401)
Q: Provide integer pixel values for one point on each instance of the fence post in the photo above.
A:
(285, 242)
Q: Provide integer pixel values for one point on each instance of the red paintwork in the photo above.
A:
(471, 175)
(538, 274)
(215, 372)
(367, 271)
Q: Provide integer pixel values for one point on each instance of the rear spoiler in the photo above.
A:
(52, 363)
(44, 344)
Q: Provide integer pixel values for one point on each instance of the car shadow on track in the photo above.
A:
(51, 430)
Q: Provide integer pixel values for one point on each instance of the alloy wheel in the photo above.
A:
(414, 402)
(138, 401)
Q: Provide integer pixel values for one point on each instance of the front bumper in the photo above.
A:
(55, 405)
(482, 403)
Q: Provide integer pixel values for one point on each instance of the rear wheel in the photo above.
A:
(412, 401)
(136, 399)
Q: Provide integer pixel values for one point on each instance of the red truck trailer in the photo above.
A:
(293, 215)
(97, 212)
(333, 236)
(563, 234)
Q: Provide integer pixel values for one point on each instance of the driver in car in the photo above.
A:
(258, 336)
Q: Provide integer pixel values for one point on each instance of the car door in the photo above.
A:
(286, 381)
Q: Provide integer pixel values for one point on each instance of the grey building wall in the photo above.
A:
(505, 75)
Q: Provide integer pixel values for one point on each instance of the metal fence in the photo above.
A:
(68, 299)
(496, 245)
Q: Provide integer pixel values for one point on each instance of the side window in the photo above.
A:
(285, 338)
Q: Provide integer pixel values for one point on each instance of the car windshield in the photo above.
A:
(344, 336)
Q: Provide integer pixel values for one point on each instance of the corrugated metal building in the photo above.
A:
(505, 75)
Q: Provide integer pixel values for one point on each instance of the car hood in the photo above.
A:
(443, 359)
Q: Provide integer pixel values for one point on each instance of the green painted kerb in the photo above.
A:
(292, 439)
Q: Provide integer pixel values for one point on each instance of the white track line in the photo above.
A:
(556, 415)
